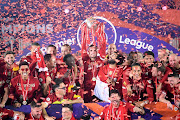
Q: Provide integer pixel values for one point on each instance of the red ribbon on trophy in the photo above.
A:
(96, 29)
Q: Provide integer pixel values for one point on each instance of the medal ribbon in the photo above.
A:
(93, 68)
(71, 84)
(24, 92)
(73, 78)
(54, 71)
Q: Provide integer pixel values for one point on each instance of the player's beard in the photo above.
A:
(11, 62)
(93, 58)
(112, 61)
(37, 116)
(115, 102)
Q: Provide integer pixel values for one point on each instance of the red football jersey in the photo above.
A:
(30, 117)
(142, 89)
(110, 113)
(3, 84)
(33, 90)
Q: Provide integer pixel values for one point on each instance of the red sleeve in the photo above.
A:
(32, 66)
(42, 77)
(2, 62)
(101, 74)
(126, 76)
(168, 70)
(4, 78)
(13, 89)
(149, 89)
(6, 113)
(2, 65)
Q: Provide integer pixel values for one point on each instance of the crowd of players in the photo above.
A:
(128, 81)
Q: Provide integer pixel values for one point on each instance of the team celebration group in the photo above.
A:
(126, 81)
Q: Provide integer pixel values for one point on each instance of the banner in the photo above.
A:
(128, 24)
(154, 111)
(124, 38)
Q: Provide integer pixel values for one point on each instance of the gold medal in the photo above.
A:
(24, 103)
(93, 79)
(9, 73)
(1, 114)
(110, 72)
